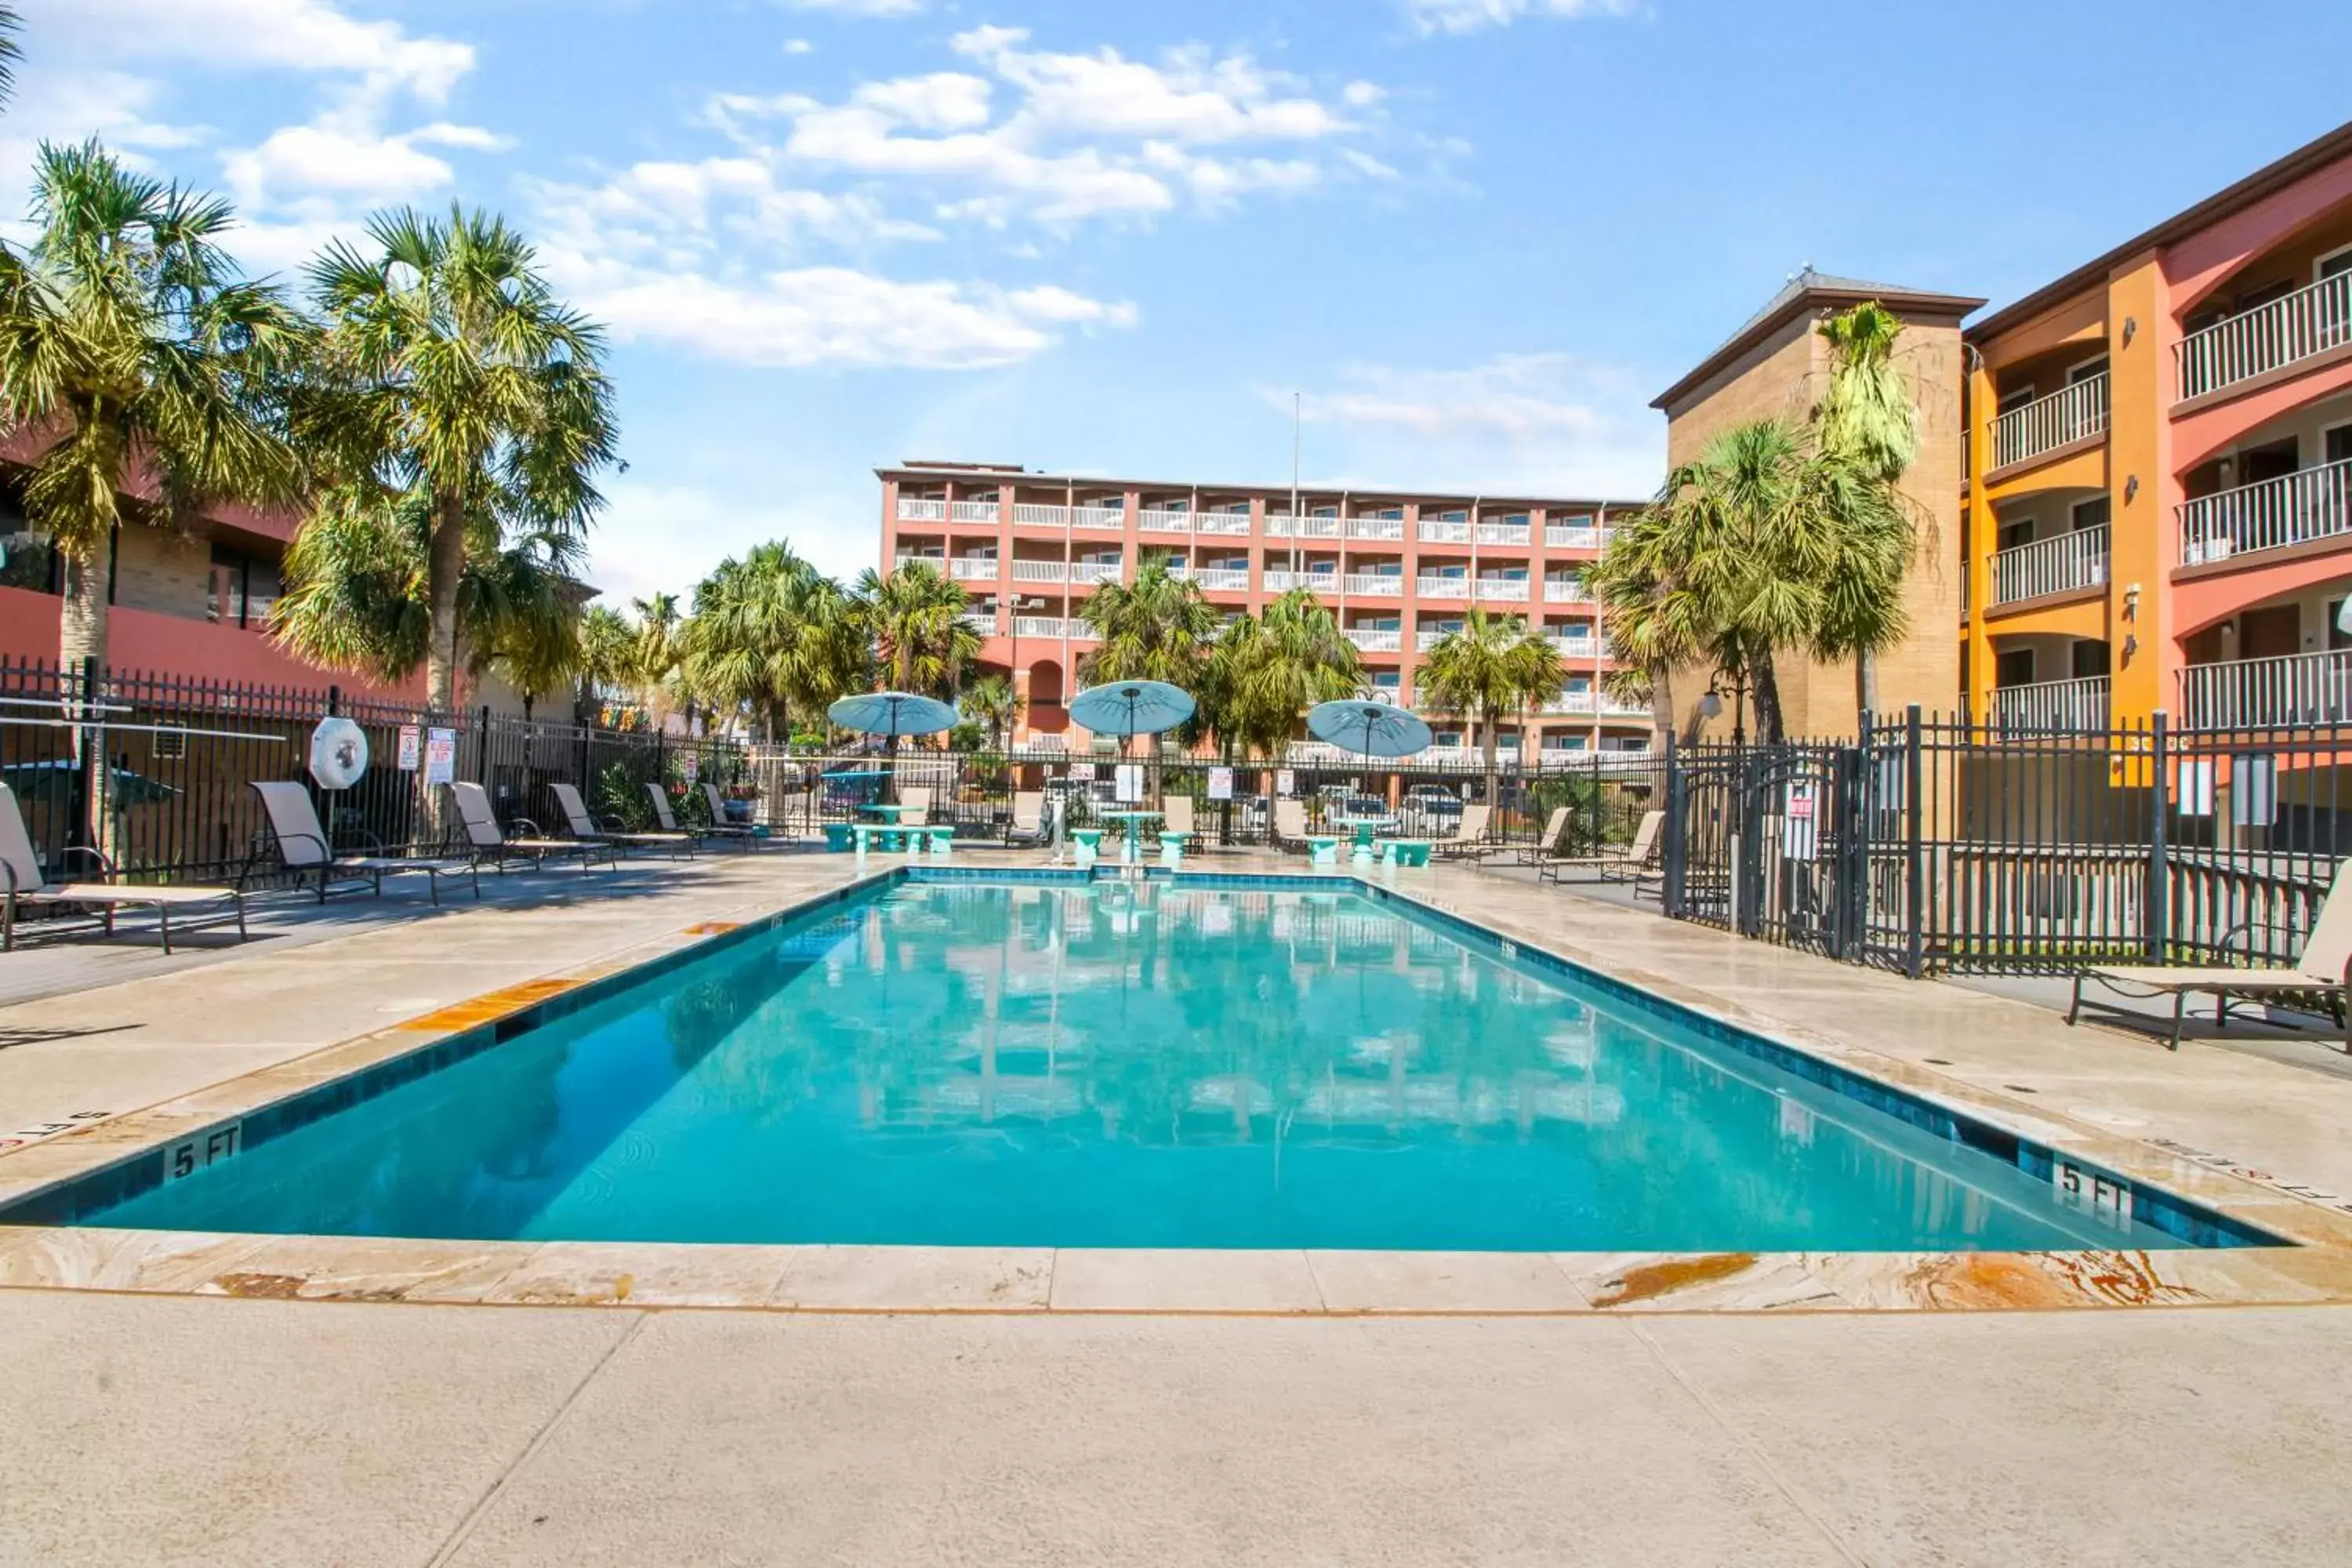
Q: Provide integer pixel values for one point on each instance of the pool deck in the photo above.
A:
(493, 1403)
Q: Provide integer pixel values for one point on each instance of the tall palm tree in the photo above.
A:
(1868, 434)
(915, 618)
(10, 25)
(131, 341)
(771, 635)
(1158, 628)
(1495, 666)
(1267, 670)
(608, 660)
(449, 371)
(993, 704)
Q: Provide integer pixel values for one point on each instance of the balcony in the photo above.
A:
(2289, 330)
(1096, 571)
(1502, 590)
(1566, 591)
(1100, 518)
(2293, 509)
(1040, 572)
(2079, 704)
(1286, 525)
(1517, 533)
(1558, 536)
(1224, 522)
(1572, 647)
(1376, 528)
(1223, 579)
(1039, 625)
(1442, 531)
(1422, 641)
(2048, 423)
(913, 508)
(1374, 584)
(1156, 519)
(987, 512)
(1376, 639)
(1596, 703)
(1037, 514)
(1441, 588)
(1279, 580)
(982, 621)
(2251, 693)
(2056, 565)
(975, 568)
(936, 563)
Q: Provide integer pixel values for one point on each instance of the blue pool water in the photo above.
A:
(1115, 1064)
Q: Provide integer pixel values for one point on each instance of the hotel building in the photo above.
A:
(2159, 494)
(1400, 569)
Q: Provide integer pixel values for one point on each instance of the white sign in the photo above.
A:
(1220, 783)
(339, 754)
(440, 756)
(1083, 772)
(1799, 832)
(1286, 783)
(690, 767)
(1130, 786)
(412, 747)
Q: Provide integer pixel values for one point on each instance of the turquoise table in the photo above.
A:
(1134, 820)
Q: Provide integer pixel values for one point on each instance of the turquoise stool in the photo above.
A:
(1322, 849)
(1405, 852)
(942, 837)
(1172, 848)
(1090, 845)
(837, 835)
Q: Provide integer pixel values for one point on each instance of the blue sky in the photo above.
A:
(1478, 236)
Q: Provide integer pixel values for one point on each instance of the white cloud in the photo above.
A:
(665, 538)
(306, 35)
(797, 46)
(1531, 422)
(1470, 15)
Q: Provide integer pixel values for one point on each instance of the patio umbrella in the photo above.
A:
(56, 781)
(1125, 708)
(1372, 729)
(892, 714)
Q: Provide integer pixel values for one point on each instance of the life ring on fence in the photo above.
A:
(339, 754)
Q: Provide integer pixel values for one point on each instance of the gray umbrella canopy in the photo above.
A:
(892, 713)
(1131, 707)
(1370, 729)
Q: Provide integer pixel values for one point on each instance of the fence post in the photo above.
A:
(2158, 906)
(334, 701)
(1670, 896)
(1915, 902)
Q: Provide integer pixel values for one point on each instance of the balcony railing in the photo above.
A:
(1376, 639)
(2297, 326)
(1220, 522)
(2293, 509)
(1376, 528)
(975, 568)
(1425, 640)
(1096, 571)
(2054, 565)
(1039, 514)
(2247, 693)
(976, 511)
(1038, 625)
(1281, 580)
(2080, 704)
(1572, 647)
(982, 621)
(1502, 533)
(1040, 572)
(1596, 702)
(1285, 525)
(1442, 531)
(1566, 591)
(2048, 423)
(1225, 578)
(915, 509)
(1101, 519)
(936, 563)
(1157, 520)
(1559, 536)
(1375, 584)
(1441, 587)
(1503, 590)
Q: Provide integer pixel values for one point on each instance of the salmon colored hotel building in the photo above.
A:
(2157, 509)
(1400, 569)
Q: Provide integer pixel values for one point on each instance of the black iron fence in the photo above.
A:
(1936, 845)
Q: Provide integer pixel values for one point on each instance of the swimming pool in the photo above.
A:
(1201, 1063)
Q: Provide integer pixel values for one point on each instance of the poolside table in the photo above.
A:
(1364, 827)
(1088, 843)
(1134, 820)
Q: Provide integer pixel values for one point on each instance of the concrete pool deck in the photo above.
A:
(150, 1417)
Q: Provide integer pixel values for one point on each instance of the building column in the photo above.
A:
(2141, 492)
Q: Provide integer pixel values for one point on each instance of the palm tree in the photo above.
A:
(10, 25)
(920, 639)
(771, 635)
(130, 341)
(1495, 667)
(1266, 671)
(608, 660)
(1868, 432)
(991, 703)
(1158, 628)
(448, 371)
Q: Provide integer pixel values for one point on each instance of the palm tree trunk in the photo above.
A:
(1865, 684)
(1661, 707)
(81, 644)
(1767, 689)
(1494, 729)
(445, 564)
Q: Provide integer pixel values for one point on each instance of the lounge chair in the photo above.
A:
(2324, 968)
(1546, 842)
(1469, 834)
(667, 820)
(488, 838)
(583, 827)
(1031, 826)
(1616, 862)
(1177, 820)
(302, 848)
(719, 826)
(1290, 824)
(915, 806)
(20, 872)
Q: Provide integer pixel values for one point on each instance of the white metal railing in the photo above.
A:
(1425, 640)
(1288, 525)
(1220, 522)
(1574, 646)
(981, 621)
(1442, 531)
(1038, 625)
(1159, 519)
(1223, 577)
(1099, 517)
(2048, 422)
(2270, 337)
(1503, 590)
(915, 509)
(974, 568)
(1503, 532)
(2054, 565)
(1039, 571)
(2311, 503)
(936, 563)
(2300, 689)
(1039, 513)
(1566, 591)
(1377, 583)
(1096, 571)
(1281, 580)
(976, 511)
(1557, 537)
(1440, 587)
(1376, 528)
(2079, 704)
(1376, 639)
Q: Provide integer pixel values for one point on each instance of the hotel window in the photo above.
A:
(2014, 667)
(2014, 400)
(2092, 513)
(2013, 534)
(2336, 444)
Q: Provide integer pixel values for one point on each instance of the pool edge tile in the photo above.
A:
(859, 1278)
(1171, 1280)
(1470, 1283)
